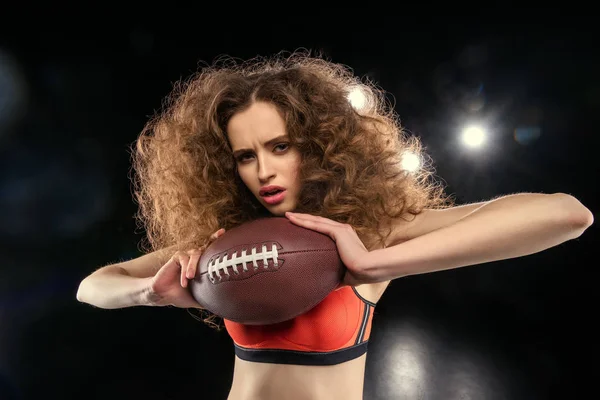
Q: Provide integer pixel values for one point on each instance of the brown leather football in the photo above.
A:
(266, 271)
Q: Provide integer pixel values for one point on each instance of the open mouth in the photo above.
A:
(274, 197)
(272, 193)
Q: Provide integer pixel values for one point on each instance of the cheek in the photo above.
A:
(295, 167)
(243, 176)
(297, 172)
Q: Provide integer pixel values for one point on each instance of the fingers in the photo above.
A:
(183, 260)
(315, 225)
(189, 261)
(313, 218)
(193, 264)
(189, 264)
(217, 234)
(333, 229)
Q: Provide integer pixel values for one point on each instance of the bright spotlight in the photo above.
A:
(473, 136)
(410, 162)
(357, 98)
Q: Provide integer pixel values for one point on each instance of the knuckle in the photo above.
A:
(183, 257)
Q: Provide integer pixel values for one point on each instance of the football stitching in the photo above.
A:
(223, 264)
(265, 255)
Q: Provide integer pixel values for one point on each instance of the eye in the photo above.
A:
(286, 145)
(243, 156)
(281, 147)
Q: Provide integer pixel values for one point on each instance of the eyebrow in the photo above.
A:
(267, 143)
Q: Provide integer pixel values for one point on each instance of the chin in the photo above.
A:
(279, 210)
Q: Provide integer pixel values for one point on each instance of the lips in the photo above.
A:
(274, 199)
(270, 190)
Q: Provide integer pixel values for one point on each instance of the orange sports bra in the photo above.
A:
(334, 331)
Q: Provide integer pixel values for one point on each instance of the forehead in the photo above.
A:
(257, 124)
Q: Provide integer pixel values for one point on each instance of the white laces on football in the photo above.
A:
(222, 264)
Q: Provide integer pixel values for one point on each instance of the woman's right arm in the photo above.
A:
(124, 284)
(159, 278)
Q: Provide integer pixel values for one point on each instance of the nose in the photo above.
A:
(265, 170)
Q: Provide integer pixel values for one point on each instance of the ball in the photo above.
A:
(266, 271)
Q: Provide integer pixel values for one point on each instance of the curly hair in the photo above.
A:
(351, 169)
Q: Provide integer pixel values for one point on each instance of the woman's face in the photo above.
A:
(264, 158)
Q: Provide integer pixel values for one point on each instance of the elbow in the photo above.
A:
(578, 216)
(582, 222)
(586, 219)
(81, 291)
(86, 289)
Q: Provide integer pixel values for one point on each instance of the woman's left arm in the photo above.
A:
(504, 228)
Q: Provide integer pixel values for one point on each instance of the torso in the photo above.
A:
(262, 381)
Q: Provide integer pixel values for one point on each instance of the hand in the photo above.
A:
(351, 249)
(169, 285)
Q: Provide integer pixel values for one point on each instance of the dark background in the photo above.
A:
(74, 96)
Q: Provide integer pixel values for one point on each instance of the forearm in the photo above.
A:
(508, 227)
(114, 288)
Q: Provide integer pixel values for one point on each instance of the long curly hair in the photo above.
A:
(351, 170)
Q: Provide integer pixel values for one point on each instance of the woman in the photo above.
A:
(272, 136)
